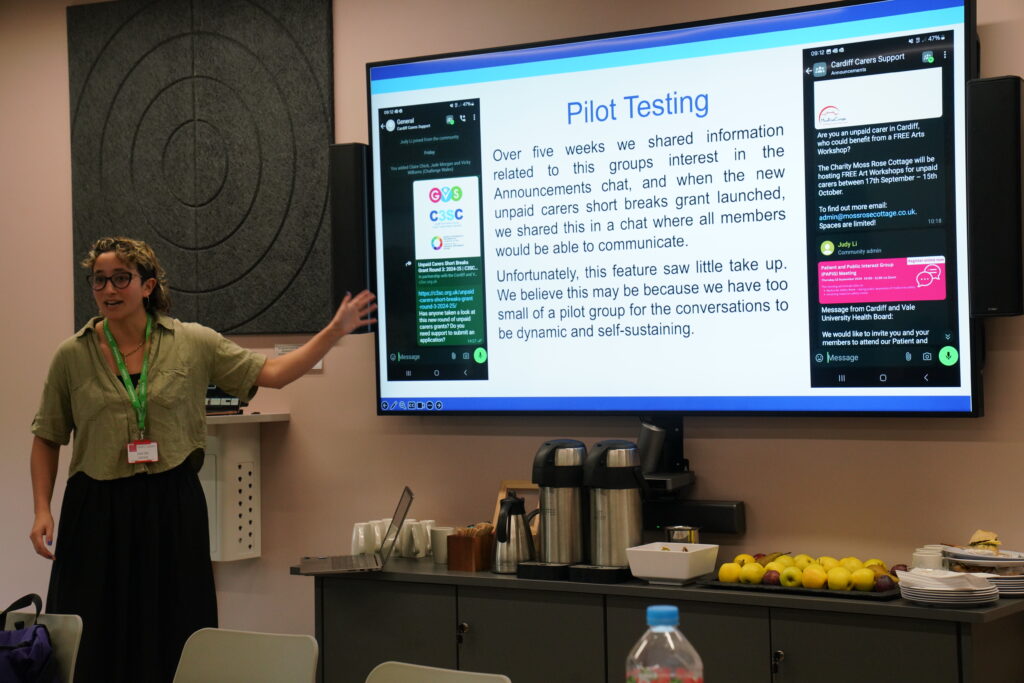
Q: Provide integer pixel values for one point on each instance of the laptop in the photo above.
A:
(343, 564)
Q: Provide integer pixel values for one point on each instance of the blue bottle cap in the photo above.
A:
(662, 615)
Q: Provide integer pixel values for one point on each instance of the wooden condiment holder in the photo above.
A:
(470, 553)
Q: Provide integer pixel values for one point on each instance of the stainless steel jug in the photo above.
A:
(558, 471)
(513, 541)
(612, 476)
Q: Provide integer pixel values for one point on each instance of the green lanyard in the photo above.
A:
(137, 398)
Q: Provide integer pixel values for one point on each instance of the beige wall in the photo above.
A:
(831, 485)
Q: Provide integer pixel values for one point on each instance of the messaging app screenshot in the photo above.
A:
(433, 261)
(880, 213)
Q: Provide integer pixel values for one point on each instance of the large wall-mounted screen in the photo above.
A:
(759, 214)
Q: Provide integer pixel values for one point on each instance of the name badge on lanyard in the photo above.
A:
(140, 449)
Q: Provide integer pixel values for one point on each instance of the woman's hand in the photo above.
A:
(43, 466)
(42, 534)
(353, 313)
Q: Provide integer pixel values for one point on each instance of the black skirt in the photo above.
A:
(133, 560)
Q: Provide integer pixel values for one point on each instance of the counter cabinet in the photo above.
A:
(543, 631)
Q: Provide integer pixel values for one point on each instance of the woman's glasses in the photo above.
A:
(119, 280)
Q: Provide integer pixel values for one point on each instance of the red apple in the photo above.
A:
(771, 578)
(884, 582)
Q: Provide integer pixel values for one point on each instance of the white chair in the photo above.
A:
(216, 655)
(400, 672)
(65, 636)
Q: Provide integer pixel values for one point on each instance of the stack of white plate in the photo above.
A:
(964, 597)
(941, 587)
(1004, 569)
(1009, 586)
(983, 553)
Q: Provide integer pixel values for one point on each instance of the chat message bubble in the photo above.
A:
(919, 278)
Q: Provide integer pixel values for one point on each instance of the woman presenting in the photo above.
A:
(133, 552)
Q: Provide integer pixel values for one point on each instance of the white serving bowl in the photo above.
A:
(672, 563)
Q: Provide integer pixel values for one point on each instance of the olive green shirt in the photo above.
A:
(83, 396)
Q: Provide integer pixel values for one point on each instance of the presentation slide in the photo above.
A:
(773, 222)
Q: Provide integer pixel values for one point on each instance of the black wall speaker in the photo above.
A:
(350, 209)
(994, 199)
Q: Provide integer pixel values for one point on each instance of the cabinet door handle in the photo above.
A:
(777, 657)
(460, 628)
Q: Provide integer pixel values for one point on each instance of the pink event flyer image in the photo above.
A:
(917, 278)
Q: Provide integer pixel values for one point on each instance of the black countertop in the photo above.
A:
(425, 571)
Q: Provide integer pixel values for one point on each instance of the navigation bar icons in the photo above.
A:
(398, 405)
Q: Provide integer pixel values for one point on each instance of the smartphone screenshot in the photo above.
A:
(881, 236)
(433, 261)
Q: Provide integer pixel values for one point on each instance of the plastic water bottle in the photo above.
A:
(663, 654)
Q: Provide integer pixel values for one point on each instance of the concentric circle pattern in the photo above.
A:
(202, 127)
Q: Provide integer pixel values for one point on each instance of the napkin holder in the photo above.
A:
(470, 553)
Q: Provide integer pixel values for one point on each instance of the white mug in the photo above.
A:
(428, 524)
(362, 538)
(439, 542)
(380, 527)
(404, 546)
(420, 535)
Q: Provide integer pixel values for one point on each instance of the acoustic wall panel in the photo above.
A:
(202, 127)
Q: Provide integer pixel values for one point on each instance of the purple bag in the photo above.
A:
(26, 655)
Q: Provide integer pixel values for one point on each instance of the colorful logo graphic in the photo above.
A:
(436, 243)
(445, 194)
(830, 114)
(446, 215)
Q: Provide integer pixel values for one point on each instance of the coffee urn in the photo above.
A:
(612, 476)
(558, 471)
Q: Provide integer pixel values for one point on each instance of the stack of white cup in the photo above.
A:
(928, 557)
(414, 540)
(368, 537)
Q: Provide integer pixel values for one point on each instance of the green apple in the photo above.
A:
(751, 573)
(785, 560)
(827, 562)
(851, 563)
(863, 579)
(814, 576)
(792, 577)
(729, 572)
(839, 579)
(802, 560)
(743, 559)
